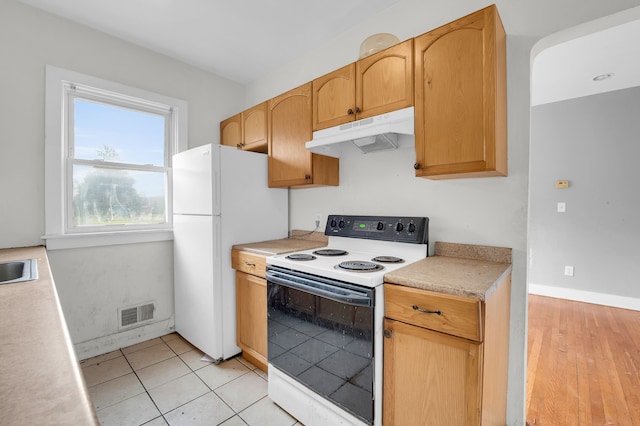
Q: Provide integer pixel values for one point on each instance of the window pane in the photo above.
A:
(109, 133)
(104, 196)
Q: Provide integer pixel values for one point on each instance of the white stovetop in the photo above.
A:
(358, 250)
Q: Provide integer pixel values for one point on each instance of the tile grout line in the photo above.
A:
(191, 370)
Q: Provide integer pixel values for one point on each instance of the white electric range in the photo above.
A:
(325, 318)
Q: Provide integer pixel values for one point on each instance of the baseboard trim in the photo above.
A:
(586, 296)
(112, 342)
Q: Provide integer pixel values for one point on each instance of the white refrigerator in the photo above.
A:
(220, 198)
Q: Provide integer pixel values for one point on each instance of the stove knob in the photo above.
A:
(341, 224)
(412, 227)
(399, 226)
(333, 223)
(380, 226)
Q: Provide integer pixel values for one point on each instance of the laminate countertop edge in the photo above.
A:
(41, 379)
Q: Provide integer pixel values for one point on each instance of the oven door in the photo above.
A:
(321, 334)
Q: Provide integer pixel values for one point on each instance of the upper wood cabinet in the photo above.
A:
(247, 130)
(334, 98)
(289, 128)
(231, 131)
(374, 85)
(460, 104)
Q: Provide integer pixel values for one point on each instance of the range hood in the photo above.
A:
(386, 131)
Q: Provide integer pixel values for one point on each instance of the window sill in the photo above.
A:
(71, 241)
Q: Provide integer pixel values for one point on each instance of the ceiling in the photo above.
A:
(571, 59)
(241, 40)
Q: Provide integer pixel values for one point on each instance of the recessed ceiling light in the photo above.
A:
(602, 77)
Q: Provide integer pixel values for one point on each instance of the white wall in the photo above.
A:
(92, 283)
(591, 141)
(478, 211)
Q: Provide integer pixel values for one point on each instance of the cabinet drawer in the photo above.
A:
(254, 264)
(455, 315)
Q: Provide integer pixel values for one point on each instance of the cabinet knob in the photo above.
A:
(416, 166)
(307, 177)
(357, 110)
(387, 334)
(349, 111)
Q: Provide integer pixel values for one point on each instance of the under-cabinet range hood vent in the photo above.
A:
(386, 131)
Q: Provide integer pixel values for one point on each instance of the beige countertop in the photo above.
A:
(284, 245)
(458, 269)
(40, 379)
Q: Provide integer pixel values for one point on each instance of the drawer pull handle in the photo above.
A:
(253, 265)
(425, 311)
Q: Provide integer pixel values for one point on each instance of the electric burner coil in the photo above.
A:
(359, 266)
(331, 252)
(387, 259)
(300, 257)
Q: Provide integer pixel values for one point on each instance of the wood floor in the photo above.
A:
(583, 364)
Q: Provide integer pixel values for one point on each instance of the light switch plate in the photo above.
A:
(562, 207)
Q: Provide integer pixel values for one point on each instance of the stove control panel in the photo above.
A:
(404, 229)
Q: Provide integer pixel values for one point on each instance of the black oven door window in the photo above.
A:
(324, 341)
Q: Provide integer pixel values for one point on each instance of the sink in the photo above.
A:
(17, 271)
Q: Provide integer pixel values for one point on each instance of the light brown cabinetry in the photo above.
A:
(374, 85)
(289, 128)
(460, 99)
(231, 131)
(445, 357)
(251, 306)
(247, 130)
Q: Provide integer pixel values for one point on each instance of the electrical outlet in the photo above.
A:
(562, 207)
(568, 271)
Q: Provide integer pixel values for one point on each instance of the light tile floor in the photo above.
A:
(164, 382)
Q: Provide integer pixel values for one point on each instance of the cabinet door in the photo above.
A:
(289, 130)
(289, 124)
(334, 98)
(231, 131)
(460, 128)
(430, 378)
(254, 128)
(251, 317)
(384, 81)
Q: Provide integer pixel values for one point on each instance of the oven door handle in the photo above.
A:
(337, 294)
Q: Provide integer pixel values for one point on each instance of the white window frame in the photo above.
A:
(59, 84)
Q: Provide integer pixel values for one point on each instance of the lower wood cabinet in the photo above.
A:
(445, 357)
(251, 318)
(251, 306)
(430, 378)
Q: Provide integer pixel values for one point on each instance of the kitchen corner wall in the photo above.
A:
(490, 211)
(92, 283)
